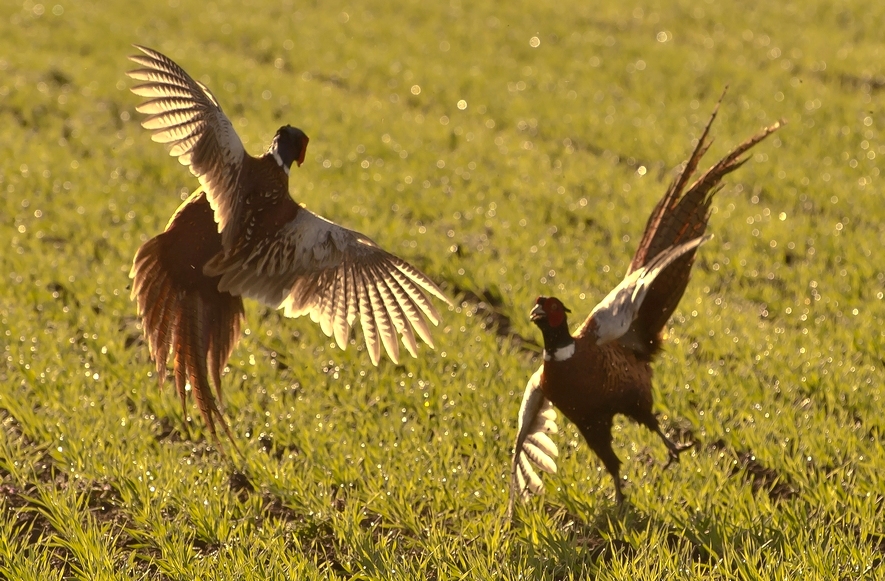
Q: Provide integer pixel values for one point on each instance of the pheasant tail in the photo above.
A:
(182, 311)
(681, 216)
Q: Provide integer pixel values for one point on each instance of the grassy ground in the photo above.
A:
(539, 181)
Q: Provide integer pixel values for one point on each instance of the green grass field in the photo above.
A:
(504, 170)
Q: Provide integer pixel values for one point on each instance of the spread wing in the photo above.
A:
(314, 267)
(614, 315)
(182, 311)
(678, 217)
(534, 448)
(185, 115)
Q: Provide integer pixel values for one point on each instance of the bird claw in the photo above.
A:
(674, 450)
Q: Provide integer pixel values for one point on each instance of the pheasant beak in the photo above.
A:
(300, 159)
(537, 313)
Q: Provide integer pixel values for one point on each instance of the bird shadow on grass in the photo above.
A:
(576, 546)
(577, 535)
(604, 537)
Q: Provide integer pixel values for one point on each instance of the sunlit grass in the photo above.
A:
(539, 182)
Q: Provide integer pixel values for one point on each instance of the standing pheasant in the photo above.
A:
(242, 235)
(605, 367)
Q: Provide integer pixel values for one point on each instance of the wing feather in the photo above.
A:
(400, 303)
(534, 448)
(343, 289)
(184, 114)
(410, 281)
(367, 319)
(382, 317)
(335, 276)
(325, 305)
(397, 308)
(613, 316)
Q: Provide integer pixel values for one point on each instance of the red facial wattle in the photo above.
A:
(555, 318)
(555, 312)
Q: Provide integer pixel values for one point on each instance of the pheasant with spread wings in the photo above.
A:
(604, 369)
(242, 235)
